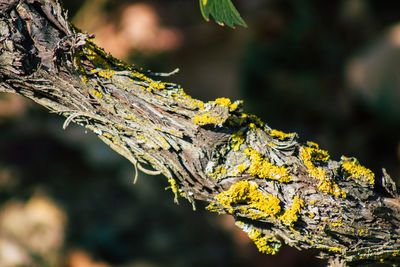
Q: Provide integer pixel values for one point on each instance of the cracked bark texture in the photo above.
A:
(277, 189)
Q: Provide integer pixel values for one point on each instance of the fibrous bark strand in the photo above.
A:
(277, 189)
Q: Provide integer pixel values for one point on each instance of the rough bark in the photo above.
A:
(277, 189)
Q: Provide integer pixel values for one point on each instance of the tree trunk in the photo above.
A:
(277, 189)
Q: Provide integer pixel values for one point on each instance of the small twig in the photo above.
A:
(70, 118)
(147, 171)
(161, 74)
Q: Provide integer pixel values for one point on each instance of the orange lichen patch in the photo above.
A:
(310, 154)
(264, 244)
(237, 139)
(290, 216)
(264, 169)
(247, 193)
(281, 135)
(357, 172)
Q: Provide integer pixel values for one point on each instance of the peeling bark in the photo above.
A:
(277, 189)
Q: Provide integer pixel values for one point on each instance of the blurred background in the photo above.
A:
(329, 71)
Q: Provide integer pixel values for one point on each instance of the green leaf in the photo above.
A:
(223, 12)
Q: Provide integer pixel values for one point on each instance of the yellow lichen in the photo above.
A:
(223, 101)
(84, 79)
(338, 223)
(357, 172)
(96, 55)
(206, 118)
(241, 168)
(237, 140)
(174, 185)
(264, 169)
(247, 193)
(335, 249)
(310, 154)
(234, 106)
(270, 144)
(97, 94)
(157, 85)
(185, 98)
(253, 119)
(281, 135)
(108, 74)
(219, 172)
(315, 153)
(264, 244)
(331, 249)
(290, 216)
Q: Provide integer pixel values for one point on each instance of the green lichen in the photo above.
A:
(264, 169)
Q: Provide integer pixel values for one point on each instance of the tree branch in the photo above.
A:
(277, 189)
